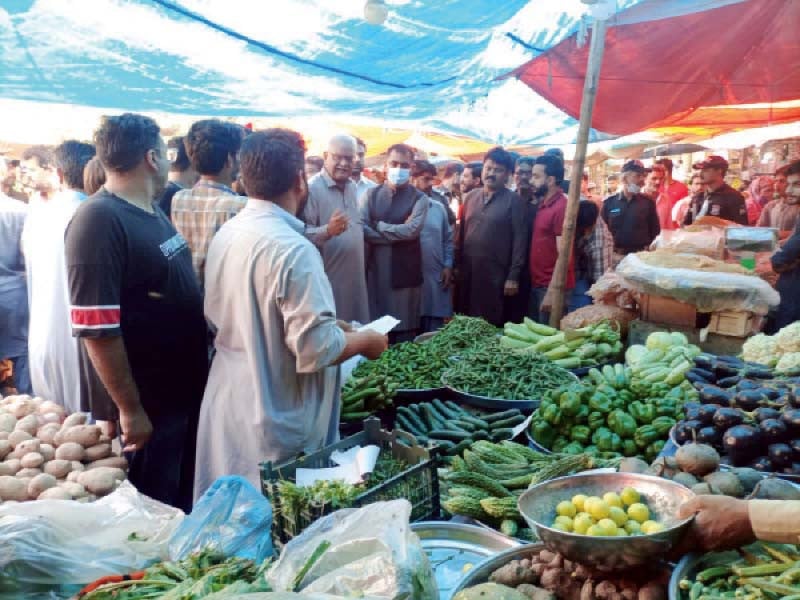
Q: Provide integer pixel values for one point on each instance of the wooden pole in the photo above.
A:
(568, 232)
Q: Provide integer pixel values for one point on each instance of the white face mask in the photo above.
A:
(633, 188)
(398, 175)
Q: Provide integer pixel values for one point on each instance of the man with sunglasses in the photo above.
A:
(333, 224)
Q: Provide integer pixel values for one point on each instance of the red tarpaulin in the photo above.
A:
(658, 73)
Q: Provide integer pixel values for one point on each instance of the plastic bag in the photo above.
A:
(373, 553)
(709, 291)
(708, 242)
(597, 313)
(68, 542)
(751, 239)
(231, 517)
(613, 290)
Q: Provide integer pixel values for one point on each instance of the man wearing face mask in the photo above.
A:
(630, 215)
(138, 310)
(393, 215)
(273, 390)
(491, 243)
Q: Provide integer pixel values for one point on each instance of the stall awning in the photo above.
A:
(683, 67)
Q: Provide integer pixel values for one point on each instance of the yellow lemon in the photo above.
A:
(587, 515)
(629, 496)
(589, 502)
(608, 526)
(621, 532)
(599, 510)
(561, 527)
(650, 527)
(566, 509)
(581, 523)
(619, 516)
(633, 527)
(595, 531)
(612, 499)
(578, 500)
(638, 512)
(565, 521)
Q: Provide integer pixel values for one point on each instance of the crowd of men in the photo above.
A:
(197, 296)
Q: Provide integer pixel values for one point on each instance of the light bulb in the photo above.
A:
(375, 12)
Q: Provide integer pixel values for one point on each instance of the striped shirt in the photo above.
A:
(199, 212)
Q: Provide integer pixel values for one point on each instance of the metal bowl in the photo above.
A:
(663, 497)
(480, 573)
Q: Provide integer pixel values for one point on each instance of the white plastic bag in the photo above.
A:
(68, 542)
(373, 553)
(708, 291)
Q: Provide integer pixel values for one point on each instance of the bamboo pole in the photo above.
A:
(568, 232)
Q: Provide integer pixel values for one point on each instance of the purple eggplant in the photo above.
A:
(793, 398)
(762, 413)
(749, 400)
(710, 435)
(742, 443)
(762, 463)
(729, 382)
(711, 394)
(727, 417)
(780, 455)
(683, 433)
(795, 445)
(793, 469)
(705, 414)
(773, 431)
(770, 393)
(791, 419)
(747, 384)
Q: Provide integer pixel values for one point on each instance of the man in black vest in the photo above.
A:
(719, 200)
(393, 215)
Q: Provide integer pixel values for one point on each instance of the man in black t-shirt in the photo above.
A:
(138, 309)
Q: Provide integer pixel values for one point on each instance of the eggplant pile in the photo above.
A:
(751, 417)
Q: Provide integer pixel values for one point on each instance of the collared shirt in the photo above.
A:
(633, 223)
(668, 195)
(780, 215)
(13, 292)
(198, 214)
(547, 227)
(724, 203)
(600, 248)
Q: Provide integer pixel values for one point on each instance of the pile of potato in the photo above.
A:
(48, 455)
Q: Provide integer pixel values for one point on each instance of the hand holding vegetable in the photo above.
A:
(720, 523)
(136, 429)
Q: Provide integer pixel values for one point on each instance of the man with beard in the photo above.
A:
(199, 212)
(548, 174)
(719, 199)
(333, 224)
(782, 213)
(523, 172)
(423, 174)
(393, 215)
(787, 260)
(490, 249)
(471, 178)
(362, 183)
(138, 310)
(273, 391)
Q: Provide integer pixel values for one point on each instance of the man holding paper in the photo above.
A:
(274, 387)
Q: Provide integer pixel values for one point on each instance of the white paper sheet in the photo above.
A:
(383, 325)
(353, 465)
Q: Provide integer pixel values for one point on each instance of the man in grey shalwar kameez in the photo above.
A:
(333, 222)
(273, 391)
(393, 215)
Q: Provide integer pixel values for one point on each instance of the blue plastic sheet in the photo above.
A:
(232, 517)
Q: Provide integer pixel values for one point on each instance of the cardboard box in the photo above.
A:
(660, 309)
(735, 324)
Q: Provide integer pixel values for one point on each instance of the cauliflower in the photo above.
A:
(788, 338)
(789, 364)
(761, 349)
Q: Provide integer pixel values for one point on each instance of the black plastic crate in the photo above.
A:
(419, 484)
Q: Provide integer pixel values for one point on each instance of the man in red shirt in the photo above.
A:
(548, 173)
(669, 192)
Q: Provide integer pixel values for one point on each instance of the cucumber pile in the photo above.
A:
(453, 428)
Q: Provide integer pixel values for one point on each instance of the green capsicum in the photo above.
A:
(572, 448)
(654, 449)
(623, 424)
(543, 433)
(581, 434)
(583, 415)
(602, 438)
(663, 425)
(551, 414)
(569, 403)
(600, 403)
(666, 407)
(596, 420)
(560, 444)
(629, 448)
(643, 413)
(645, 435)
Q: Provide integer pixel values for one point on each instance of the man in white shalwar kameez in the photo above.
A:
(273, 391)
(52, 350)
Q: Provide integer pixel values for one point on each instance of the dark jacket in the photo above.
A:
(787, 262)
(724, 202)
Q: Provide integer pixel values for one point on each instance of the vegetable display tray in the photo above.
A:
(454, 548)
(693, 563)
(424, 395)
(419, 483)
(494, 404)
(481, 572)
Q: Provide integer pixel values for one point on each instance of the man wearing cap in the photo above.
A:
(719, 200)
(630, 215)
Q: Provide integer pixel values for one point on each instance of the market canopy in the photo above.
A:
(683, 67)
(431, 66)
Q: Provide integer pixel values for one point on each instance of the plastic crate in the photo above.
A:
(419, 484)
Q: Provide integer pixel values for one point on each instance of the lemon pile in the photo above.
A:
(613, 515)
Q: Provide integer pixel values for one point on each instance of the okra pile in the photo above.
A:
(453, 428)
(496, 372)
(761, 571)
